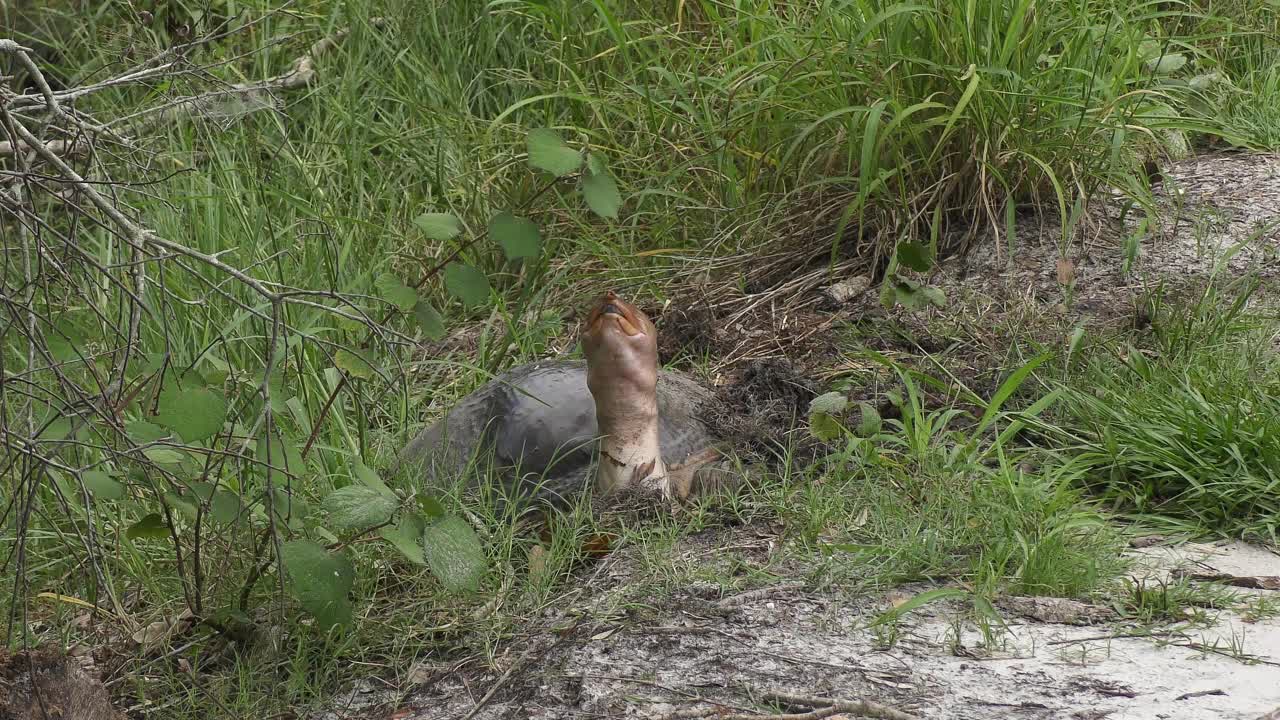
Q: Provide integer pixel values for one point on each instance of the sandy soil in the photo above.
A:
(625, 661)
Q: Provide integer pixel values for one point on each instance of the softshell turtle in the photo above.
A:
(551, 427)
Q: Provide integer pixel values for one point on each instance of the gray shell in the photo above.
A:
(539, 422)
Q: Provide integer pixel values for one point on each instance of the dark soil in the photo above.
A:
(48, 684)
(759, 413)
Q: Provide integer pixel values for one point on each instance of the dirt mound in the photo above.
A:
(48, 683)
(758, 412)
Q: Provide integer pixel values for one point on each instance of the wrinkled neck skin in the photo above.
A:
(630, 453)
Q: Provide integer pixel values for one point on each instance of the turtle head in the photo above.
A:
(621, 345)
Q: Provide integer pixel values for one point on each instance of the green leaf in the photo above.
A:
(358, 507)
(548, 152)
(320, 580)
(454, 554)
(438, 226)
(823, 424)
(184, 505)
(429, 319)
(369, 477)
(142, 432)
(908, 296)
(225, 507)
(394, 291)
(356, 362)
(285, 459)
(57, 429)
(430, 505)
(467, 284)
(202, 490)
(871, 422)
(406, 536)
(934, 295)
(1164, 65)
(596, 164)
(215, 371)
(101, 485)
(831, 403)
(194, 413)
(151, 527)
(164, 455)
(915, 256)
(824, 427)
(600, 189)
(519, 237)
(289, 508)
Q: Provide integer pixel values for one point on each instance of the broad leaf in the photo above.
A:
(602, 195)
(394, 291)
(185, 505)
(822, 411)
(454, 554)
(1164, 65)
(406, 536)
(151, 527)
(143, 432)
(164, 455)
(915, 256)
(519, 237)
(548, 152)
(357, 507)
(438, 226)
(871, 422)
(225, 507)
(830, 403)
(356, 362)
(429, 319)
(934, 295)
(467, 284)
(320, 580)
(101, 485)
(599, 188)
(285, 460)
(369, 477)
(289, 508)
(194, 413)
(430, 505)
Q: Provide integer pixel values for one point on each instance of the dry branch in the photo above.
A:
(235, 99)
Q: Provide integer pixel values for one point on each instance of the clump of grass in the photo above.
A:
(931, 496)
(1188, 430)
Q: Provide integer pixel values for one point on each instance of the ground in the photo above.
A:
(609, 647)
(716, 653)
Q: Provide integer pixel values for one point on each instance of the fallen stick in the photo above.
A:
(823, 708)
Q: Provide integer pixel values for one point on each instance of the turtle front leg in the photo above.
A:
(630, 474)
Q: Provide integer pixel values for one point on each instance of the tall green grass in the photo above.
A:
(1185, 433)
